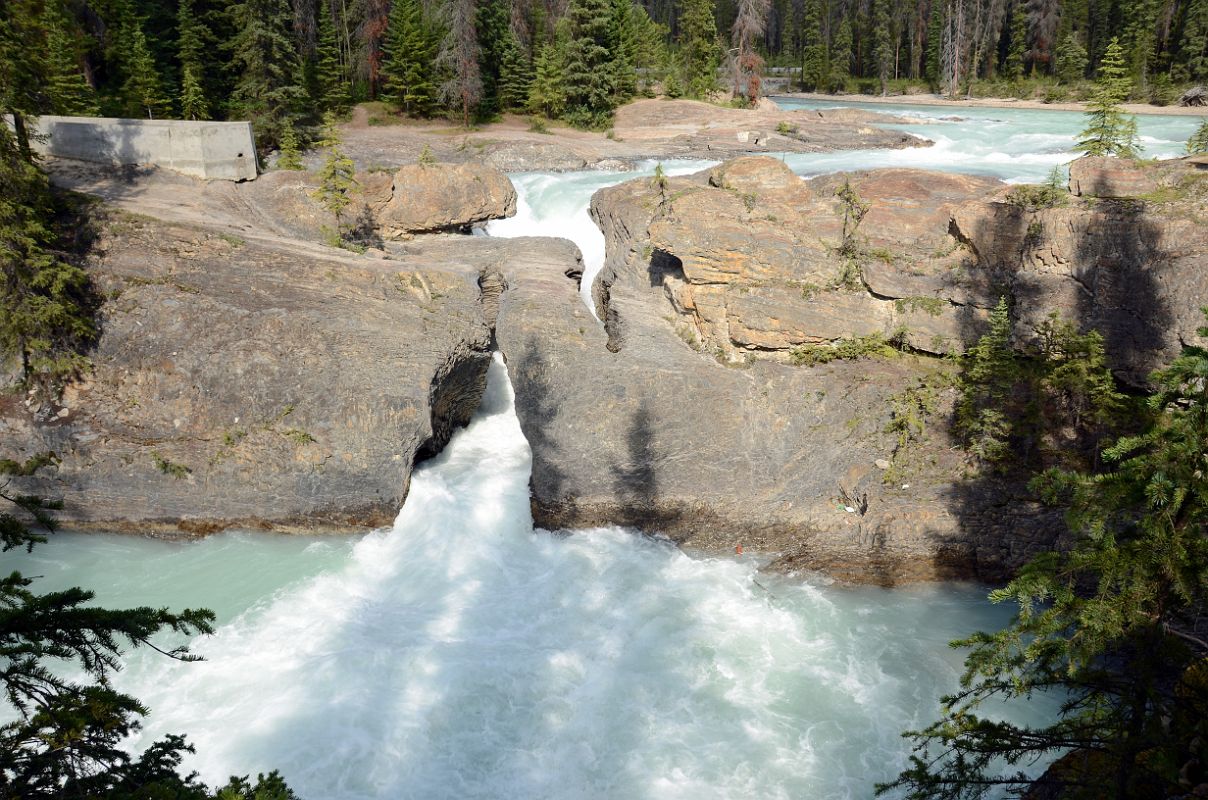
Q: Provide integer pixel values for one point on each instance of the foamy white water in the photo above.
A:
(462, 654)
(556, 204)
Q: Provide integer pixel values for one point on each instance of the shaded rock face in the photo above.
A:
(1136, 271)
(1099, 176)
(782, 460)
(441, 197)
(766, 272)
(254, 384)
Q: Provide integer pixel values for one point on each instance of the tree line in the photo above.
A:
(285, 62)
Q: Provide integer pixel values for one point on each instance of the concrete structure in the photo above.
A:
(211, 150)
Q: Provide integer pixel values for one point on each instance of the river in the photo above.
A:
(463, 654)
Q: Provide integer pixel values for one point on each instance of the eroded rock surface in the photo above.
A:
(783, 460)
(769, 271)
(257, 384)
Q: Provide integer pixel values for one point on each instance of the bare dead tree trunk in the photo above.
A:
(459, 54)
(749, 26)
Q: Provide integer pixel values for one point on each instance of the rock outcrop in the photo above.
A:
(782, 460)
(258, 384)
(415, 199)
(771, 270)
(681, 416)
(444, 197)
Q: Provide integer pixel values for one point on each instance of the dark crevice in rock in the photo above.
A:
(459, 384)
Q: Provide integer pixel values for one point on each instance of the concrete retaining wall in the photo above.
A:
(212, 150)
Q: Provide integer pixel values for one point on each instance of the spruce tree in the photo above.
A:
(1071, 59)
(461, 89)
(46, 304)
(623, 32)
(493, 30)
(1109, 131)
(699, 51)
(1108, 625)
(407, 71)
(547, 94)
(1197, 145)
(336, 180)
(142, 94)
(191, 48)
(68, 91)
(651, 55)
(815, 66)
(588, 75)
(67, 726)
(934, 68)
(329, 74)
(268, 66)
(841, 55)
(290, 155)
(1017, 52)
(515, 75)
(883, 43)
(23, 68)
(1193, 50)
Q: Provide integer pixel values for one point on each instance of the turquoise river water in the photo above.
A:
(462, 654)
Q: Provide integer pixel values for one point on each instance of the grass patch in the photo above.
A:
(854, 349)
(933, 306)
(167, 467)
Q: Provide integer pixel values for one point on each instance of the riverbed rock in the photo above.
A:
(261, 383)
(442, 197)
(1100, 176)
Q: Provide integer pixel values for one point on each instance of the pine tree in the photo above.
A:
(1106, 626)
(190, 48)
(1109, 131)
(990, 377)
(587, 66)
(407, 71)
(67, 89)
(698, 47)
(623, 31)
(1193, 55)
(290, 156)
(547, 94)
(336, 180)
(1017, 52)
(269, 69)
(141, 91)
(841, 53)
(1071, 59)
(515, 76)
(1198, 143)
(329, 74)
(46, 305)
